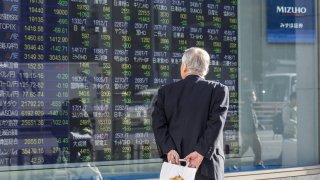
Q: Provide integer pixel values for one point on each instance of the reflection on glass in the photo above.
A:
(112, 56)
(78, 78)
(249, 128)
(280, 64)
(278, 87)
(290, 120)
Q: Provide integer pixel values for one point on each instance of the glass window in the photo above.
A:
(278, 81)
(78, 81)
(277, 87)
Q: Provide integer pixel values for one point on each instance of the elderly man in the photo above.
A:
(189, 117)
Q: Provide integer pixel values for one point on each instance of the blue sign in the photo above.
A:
(291, 21)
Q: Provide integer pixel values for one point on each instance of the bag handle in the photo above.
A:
(183, 160)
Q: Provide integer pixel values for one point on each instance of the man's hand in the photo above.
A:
(173, 157)
(194, 159)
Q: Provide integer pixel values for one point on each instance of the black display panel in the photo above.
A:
(78, 78)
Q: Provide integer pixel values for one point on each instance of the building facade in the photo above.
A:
(78, 80)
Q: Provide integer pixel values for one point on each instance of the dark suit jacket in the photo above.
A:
(188, 116)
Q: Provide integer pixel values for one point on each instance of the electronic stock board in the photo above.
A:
(78, 78)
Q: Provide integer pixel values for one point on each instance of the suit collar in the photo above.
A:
(193, 76)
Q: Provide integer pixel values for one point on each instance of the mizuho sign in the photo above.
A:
(291, 10)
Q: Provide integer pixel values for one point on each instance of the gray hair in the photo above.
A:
(197, 61)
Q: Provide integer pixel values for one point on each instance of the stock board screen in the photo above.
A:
(78, 78)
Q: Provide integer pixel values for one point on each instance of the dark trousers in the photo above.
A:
(251, 140)
(201, 177)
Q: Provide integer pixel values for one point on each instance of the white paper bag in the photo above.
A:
(170, 171)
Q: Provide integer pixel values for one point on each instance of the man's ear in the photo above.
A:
(184, 68)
